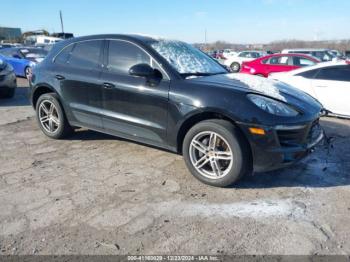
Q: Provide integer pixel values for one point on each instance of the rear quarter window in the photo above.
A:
(86, 55)
(63, 55)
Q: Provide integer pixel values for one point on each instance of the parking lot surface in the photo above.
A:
(97, 194)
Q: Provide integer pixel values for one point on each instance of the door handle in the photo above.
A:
(108, 85)
(59, 77)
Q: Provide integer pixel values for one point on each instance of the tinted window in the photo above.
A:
(123, 55)
(302, 61)
(62, 57)
(86, 54)
(265, 61)
(322, 55)
(254, 55)
(278, 60)
(339, 73)
(308, 74)
(243, 54)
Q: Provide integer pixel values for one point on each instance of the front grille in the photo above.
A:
(299, 136)
(291, 137)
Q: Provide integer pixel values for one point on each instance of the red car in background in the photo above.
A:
(263, 66)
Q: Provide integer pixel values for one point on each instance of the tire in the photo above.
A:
(235, 67)
(228, 134)
(61, 127)
(27, 72)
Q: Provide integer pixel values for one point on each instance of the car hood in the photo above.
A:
(267, 87)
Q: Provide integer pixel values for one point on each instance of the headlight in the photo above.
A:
(2, 64)
(272, 106)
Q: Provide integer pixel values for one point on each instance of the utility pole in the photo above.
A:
(205, 37)
(61, 21)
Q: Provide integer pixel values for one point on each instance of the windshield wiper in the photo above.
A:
(185, 75)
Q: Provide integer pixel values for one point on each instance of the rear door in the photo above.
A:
(332, 88)
(133, 108)
(78, 69)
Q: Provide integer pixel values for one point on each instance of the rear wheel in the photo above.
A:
(235, 67)
(51, 117)
(216, 153)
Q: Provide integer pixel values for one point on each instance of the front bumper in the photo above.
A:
(7, 82)
(283, 145)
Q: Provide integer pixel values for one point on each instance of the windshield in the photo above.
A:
(33, 53)
(186, 59)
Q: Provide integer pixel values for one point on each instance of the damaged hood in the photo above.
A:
(267, 87)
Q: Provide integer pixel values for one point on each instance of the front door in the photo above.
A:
(132, 107)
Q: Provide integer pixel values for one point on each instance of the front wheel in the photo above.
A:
(51, 117)
(235, 67)
(216, 153)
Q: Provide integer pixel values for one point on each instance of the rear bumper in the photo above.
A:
(282, 146)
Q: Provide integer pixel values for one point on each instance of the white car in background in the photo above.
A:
(227, 53)
(235, 61)
(323, 54)
(328, 82)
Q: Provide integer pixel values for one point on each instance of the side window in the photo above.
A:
(278, 60)
(243, 54)
(123, 55)
(86, 54)
(339, 73)
(62, 57)
(302, 61)
(308, 74)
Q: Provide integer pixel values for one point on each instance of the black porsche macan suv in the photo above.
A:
(170, 95)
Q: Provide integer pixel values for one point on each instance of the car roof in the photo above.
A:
(135, 37)
(254, 51)
(289, 54)
(305, 49)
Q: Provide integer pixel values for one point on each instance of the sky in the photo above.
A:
(238, 21)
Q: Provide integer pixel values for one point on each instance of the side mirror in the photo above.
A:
(16, 56)
(153, 76)
(142, 70)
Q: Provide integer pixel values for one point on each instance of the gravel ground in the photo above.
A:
(97, 194)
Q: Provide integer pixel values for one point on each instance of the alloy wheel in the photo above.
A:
(235, 67)
(48, 116)
(28, 72)
(211, 155)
